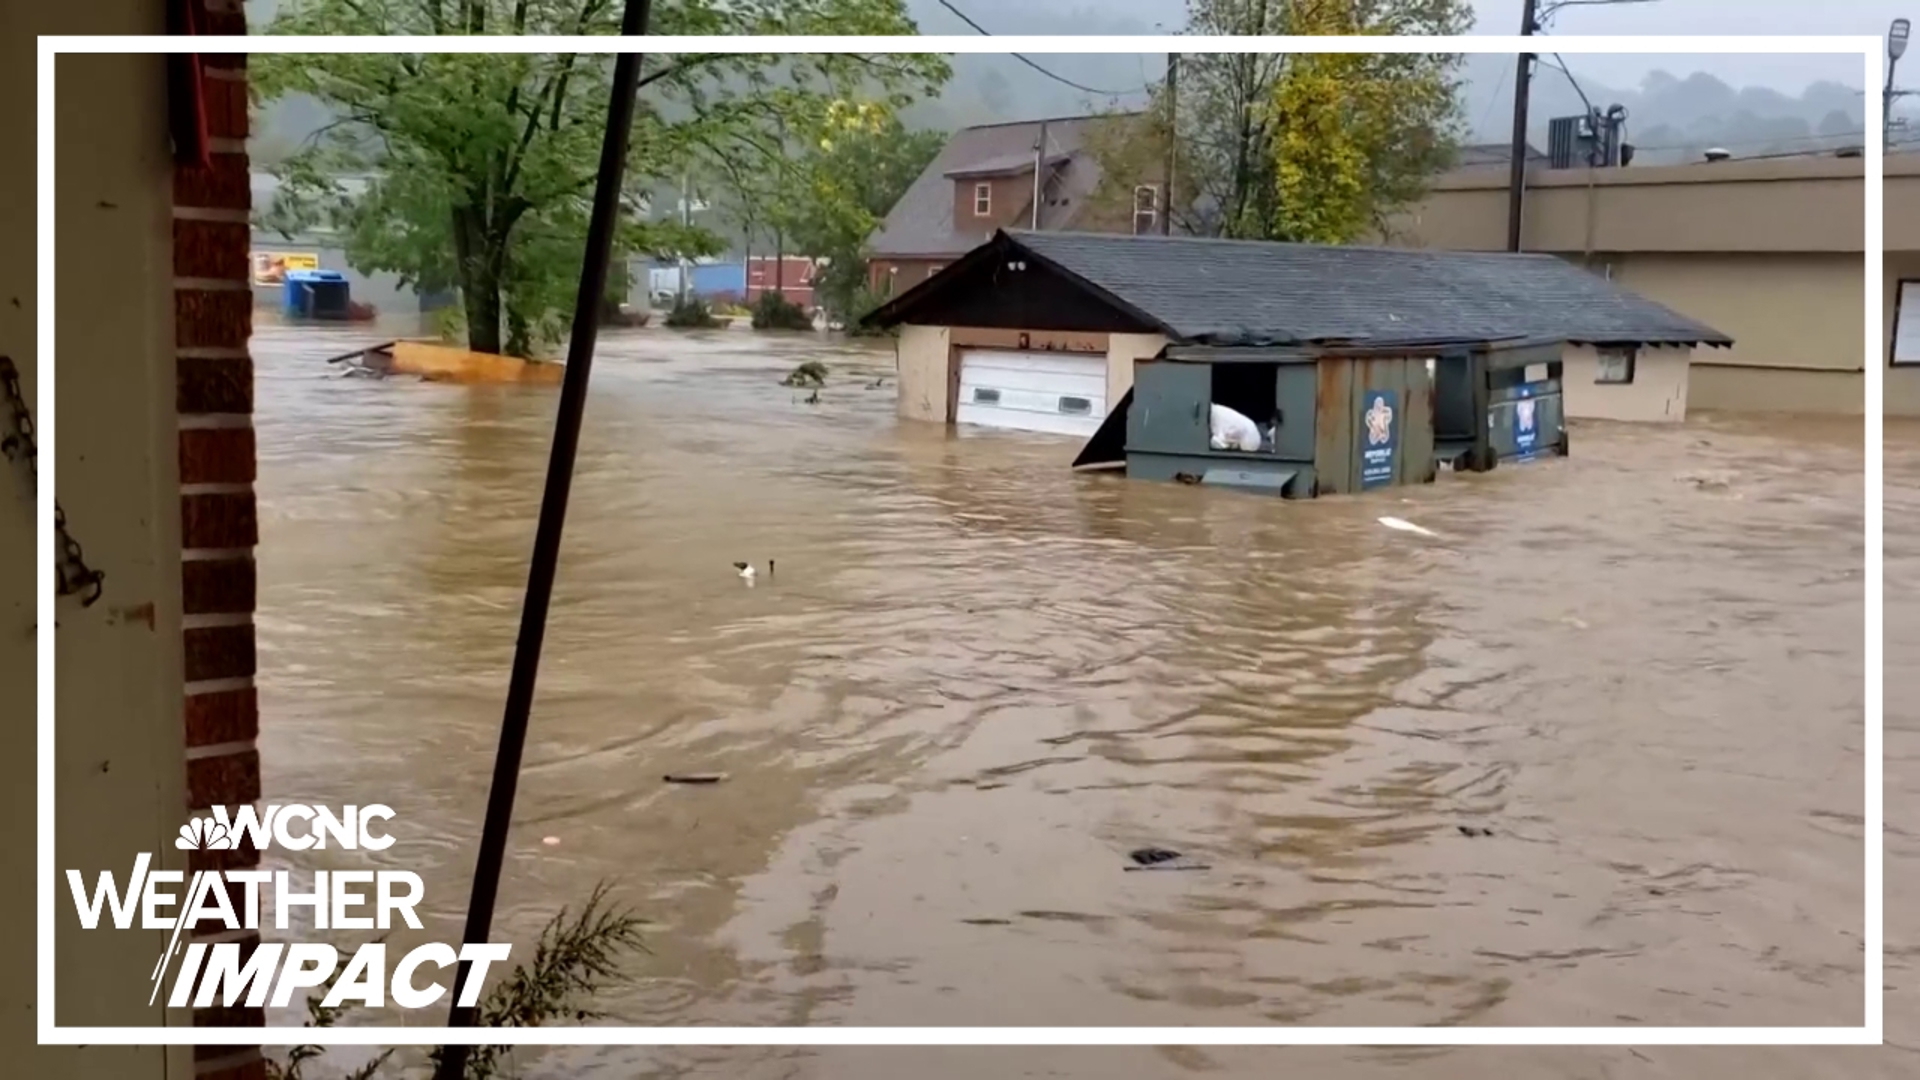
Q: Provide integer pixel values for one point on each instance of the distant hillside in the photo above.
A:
(1669, 117)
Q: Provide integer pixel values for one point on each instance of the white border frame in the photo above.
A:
(1869, 1034)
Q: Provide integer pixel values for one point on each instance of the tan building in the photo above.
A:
(1769, 251)
(1041, 331)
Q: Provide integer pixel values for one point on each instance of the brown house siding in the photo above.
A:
(900, 274)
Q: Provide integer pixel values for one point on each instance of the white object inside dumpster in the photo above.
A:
(1233, 431)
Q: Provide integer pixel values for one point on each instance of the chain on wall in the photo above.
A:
(75, 578)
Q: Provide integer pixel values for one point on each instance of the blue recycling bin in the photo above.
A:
(316, 294)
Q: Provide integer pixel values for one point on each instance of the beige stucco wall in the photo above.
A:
(1771, 252)
(119, 753)
(1123, 350)
(920, 357)
(1658, 392)
(1747, 389)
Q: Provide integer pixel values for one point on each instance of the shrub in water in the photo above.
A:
(775, 312)
(691, 313)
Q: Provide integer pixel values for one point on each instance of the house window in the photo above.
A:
(1146, 209)
(934, 268)
(1616, 366)
(982, 200)
(1906, 331)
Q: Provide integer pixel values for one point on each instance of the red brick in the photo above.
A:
(218, 521)
(227, 780)
(223, 185)
(241, 858)
(217, 456)
(211, 249)
(225, 24)
(213, 386)
(217, 587)
(226, 101)
(250, 1071)
(212, 318)
(222, 1017)
(224, 717)
(219, 652)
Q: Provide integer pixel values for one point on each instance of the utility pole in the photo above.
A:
(1173, 142)
(1039, 167)
(686, 222)
(1896, 48)
(1522, 80)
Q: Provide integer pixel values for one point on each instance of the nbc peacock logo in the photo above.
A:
(204, 834)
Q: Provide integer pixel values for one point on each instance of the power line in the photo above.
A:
(984, 32)
(1575, 83)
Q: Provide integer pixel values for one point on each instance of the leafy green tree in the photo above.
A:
(477, 171)
(859, 164)
(1281, 146)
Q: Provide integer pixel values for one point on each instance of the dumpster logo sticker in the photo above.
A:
(1376, 453)
(270, 267)
(1526, 433)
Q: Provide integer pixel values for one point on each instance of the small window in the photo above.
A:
(935, 268)
(1906, 331)
(1146, 209)
(1616, 366)
(1076, 406)
(984, 396)
(982, 200)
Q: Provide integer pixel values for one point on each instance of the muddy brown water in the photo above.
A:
(976, 680)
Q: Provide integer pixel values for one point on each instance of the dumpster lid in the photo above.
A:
(315, 275)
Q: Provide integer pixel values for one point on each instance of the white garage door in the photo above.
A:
(1062, 393)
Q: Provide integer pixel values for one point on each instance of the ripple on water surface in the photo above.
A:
(977, 680)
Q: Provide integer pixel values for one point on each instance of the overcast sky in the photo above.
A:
(1787, 73)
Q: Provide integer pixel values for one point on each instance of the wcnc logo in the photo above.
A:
(296, 827)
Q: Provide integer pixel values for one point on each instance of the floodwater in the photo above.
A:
(975, 681)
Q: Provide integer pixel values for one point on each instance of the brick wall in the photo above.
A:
(213, 319)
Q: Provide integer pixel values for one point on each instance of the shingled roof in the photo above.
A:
(1206, 291)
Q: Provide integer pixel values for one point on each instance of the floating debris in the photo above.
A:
(695, 778)
(1406, 526)
(811, 373)
(988, 922)
(550, 841)
(1152, 858)
(1473, 830)
(745, 569)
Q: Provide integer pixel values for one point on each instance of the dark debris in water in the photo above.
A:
(1473, 830)
(1153, 858)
